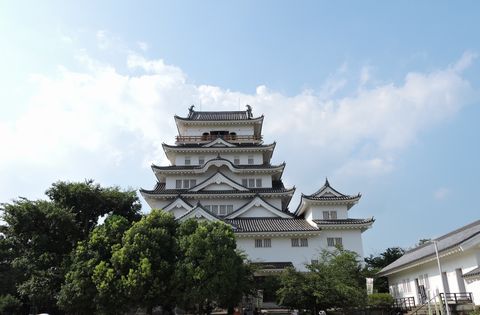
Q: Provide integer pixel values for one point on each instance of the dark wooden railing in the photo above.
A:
(457, 298)
(452, 299)
(404, 304)
(207, 138)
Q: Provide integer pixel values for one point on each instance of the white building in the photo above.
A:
(416, 274)
(221, 170)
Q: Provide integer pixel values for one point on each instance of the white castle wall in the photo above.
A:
(282, 250)
(198, 131)
(257, 158)
(316, 211)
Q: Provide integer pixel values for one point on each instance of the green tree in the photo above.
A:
(145, 261)
(376, 263)
(39, 236)
(334, 281)
(79, 293)
(89, 201)
(295, 290)
(210, 270)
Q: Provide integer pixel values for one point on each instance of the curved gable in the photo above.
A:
(218, 181)
(256, 208)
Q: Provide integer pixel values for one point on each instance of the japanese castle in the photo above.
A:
(220, 170)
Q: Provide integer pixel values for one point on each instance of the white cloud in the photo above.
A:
(99, 118)
(441, 193)
(143, 46)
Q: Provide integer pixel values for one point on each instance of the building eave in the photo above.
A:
(420, 261)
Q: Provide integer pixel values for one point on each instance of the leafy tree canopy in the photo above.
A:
(37, 237)
(335, 281)
(210, 269)
(375, 263)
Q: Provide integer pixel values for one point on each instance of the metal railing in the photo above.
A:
(428, 304)
(229, 137)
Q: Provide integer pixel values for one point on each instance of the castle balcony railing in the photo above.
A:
(230, 138)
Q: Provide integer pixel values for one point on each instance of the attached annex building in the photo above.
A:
(220, 170)
(416, 275)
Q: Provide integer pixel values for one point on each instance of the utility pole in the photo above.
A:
(441, 277)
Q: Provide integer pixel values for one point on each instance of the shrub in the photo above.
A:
(380, 300)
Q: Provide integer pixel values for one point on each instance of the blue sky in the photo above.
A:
(381, 97)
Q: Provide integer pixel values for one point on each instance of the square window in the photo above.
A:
(326, 215)
(178, 184)
(188, 160)
(245, 182)
(250, 159)
(229, 209)
(304, 242)
(215, 209)
(193, 182)
(330, 241)
(258, 243)
(295, 242)
(236, 160)
(186, 183)
(338, 241)
(314, 261)
(251, 182)
(258, 183)
(333, 215)
(267, 242)
(201, 160)
(223, 210)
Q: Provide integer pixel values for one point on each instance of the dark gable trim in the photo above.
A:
(268, 203)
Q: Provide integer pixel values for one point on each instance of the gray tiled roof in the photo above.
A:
(318, 195)
(246, 225)
(160, 190)
(330, 198)
(444, 243)
(201, 145)
(344, 221)
(193, 167)
(471, 273)
(215, 115)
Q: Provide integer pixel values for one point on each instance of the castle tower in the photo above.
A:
(220, 169)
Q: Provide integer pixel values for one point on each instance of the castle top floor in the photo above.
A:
(232, 126)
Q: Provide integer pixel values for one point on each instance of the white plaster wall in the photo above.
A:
(351, 239)
(317, 211)
(170, 181)
(465, 260)
(215, 186)
(198, 131)
(257, 157)
(258, 212)
(282, 250)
